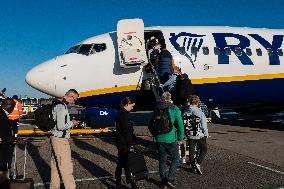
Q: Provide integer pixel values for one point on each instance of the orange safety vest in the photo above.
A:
(17, 112)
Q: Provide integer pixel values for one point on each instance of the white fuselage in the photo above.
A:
(100, 73)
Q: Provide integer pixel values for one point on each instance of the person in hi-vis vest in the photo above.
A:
(16, 115)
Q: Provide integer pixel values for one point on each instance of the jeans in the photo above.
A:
(165, 149)
(201, 149)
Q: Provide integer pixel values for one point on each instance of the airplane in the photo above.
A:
(237, 67)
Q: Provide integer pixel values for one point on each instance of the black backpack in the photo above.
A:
(44, 117)
(161, 122)
(192, 123)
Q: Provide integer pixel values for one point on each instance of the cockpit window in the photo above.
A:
(73, 49)
(99, 47)
(87, 49)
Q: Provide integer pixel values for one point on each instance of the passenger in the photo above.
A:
(164, 65)
(184, 88)
(170, 85)
(196, 132)
(61, 162)
(124, 141)
(154, 52)
(16, 115)
(151, 42)
(154, 47)
(204, 109)
(167, 143)
(201, 105)
(6, 138)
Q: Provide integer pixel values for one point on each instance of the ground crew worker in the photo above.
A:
(16, 115)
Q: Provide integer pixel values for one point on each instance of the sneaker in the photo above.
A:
(198, 169)
(171, 184)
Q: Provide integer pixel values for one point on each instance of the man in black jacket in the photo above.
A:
(6, 137)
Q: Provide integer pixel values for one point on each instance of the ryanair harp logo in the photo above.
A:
(187, 44)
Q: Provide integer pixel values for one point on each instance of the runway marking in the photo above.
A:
(87, 179)
(268, 168)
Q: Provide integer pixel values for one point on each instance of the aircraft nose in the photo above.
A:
(42, 78)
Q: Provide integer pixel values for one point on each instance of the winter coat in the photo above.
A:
(165, 63)
(124, 131)
(202, 130)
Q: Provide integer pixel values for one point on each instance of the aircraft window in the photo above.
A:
(280, 52)
(248, 51)
(205, 50)
(227, 51)
(73, 49)
(238, 51)
(258, 52)
(269, 51)
(216, 50)
(99, 47)
(85, 49)
(194, 50)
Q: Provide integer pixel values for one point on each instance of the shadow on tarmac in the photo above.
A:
(42, 167)
(94, 169)
(86, 146)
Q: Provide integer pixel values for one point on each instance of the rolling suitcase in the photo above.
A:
(24, 183)
(137, 166)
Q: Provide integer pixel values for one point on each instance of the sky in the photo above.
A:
(32, 31)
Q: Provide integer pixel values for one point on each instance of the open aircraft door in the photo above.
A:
(131, 43)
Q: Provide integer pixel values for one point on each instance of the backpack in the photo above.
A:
(44, 117)
(161, 123)
(192, 124)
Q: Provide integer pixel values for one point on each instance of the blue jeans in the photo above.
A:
(165, 149)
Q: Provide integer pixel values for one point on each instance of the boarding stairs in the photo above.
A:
(155, 83)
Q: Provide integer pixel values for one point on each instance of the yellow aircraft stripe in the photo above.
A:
(237, 78)
(109, 90)
(194, 81)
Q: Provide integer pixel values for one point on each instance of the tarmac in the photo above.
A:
(243, 152)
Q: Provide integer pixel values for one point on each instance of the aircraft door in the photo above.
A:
(131, 44)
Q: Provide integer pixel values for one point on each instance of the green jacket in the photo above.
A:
(177, 133)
